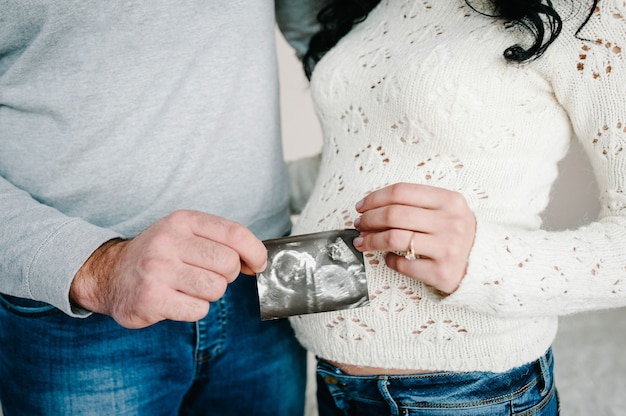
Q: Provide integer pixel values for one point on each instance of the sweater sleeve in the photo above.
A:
(537, 273)
(302, 176)
(42, 249)
(298, 22)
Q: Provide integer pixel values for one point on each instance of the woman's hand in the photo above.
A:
(433, 223)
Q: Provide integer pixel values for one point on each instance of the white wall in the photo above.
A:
(301, 131)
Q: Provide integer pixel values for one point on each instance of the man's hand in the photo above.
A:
(172, 270)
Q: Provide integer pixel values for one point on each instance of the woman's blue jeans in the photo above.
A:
(528, 390)
(229, 363)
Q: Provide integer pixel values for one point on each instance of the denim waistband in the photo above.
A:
(469, 388)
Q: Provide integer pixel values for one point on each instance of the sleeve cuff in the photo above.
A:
(58, 259)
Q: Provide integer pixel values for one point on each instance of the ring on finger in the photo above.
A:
(410, 253)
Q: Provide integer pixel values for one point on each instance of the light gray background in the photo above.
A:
(589, 359)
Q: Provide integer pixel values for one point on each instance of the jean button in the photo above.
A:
(331, 380)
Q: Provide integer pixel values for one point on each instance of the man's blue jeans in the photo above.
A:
(528, 390)
(229, 363)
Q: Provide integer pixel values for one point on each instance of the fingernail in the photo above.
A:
(359, 205)
(357, 222)
(358, 242)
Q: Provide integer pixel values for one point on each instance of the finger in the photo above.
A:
(200, 283)
(418, 195)
(422, 266)
(418, 269)
(234, 235)
(247, 270)
(160, 275)
(211, 256)
(399, 241)
(401, 217)
(158, 305)
(426, 270)
(187, 309)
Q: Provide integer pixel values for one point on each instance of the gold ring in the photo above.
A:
(410, 254)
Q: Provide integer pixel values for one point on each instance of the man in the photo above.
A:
(140, 166)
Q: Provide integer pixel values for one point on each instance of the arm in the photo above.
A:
(170, 271)
(42, 249)
(302, 175)
(547, 273)
(297, 21)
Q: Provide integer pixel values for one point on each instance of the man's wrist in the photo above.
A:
(89, 283)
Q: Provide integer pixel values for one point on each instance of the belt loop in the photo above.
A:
(545, 373)
(383, 382)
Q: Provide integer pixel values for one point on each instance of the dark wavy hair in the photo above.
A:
(537, 17)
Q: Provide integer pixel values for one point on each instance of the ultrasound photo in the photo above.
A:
(312, 273)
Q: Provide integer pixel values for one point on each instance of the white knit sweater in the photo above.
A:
(420, 92)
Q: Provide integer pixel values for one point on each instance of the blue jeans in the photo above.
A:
(526, 390)
(229, 363)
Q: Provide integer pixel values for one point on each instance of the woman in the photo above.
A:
(445, 120)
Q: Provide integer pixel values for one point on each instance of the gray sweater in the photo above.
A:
(113, 114)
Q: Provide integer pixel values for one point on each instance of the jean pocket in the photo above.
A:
(540, 399)
(547, 405)
(26, 307)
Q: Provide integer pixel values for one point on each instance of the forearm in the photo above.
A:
(518, 272)
(42, 249)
